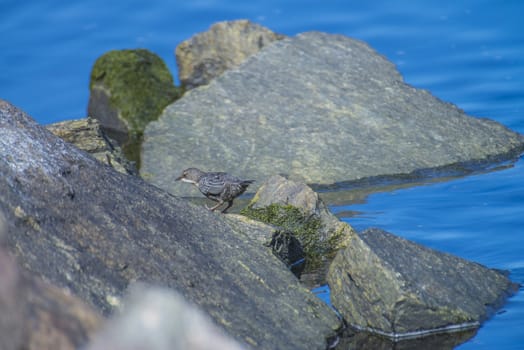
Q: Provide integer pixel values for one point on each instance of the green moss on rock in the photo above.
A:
(139, 86)
(305, 228)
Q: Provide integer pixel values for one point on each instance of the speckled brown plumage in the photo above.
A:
(217, 186)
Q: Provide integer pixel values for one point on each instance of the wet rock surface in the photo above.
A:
(321, 109)
(397, 288)
(82, 225)
(224, 46)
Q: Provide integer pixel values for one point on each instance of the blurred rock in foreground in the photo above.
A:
(155, 318)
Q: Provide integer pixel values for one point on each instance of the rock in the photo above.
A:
(128, 89)
(295, 207)
(56, 319)
(84, 226)
(36, 315)
(439, 341)
(289, 249)
(157, 318)
(397, 288)
(283, 243)
(224, 46)
(279, 190)
(87, 135)
(321, 109)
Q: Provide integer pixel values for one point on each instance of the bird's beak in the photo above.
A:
(187, 180)
(179, 178)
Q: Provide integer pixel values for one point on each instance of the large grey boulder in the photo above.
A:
(82, 225)
(322, 109)
(35, 315)
(225, 45)
(388, 285)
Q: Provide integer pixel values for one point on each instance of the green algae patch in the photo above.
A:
(305, 228)
(129, 89)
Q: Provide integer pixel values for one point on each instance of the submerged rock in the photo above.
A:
(388, 285)
(224, 46)
(87, 135)
(321, 109)
(82, 225)
(128, 89)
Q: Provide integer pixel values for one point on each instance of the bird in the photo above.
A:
(218, 186)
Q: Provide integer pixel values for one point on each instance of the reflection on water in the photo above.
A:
(443, 341)
(353, 192)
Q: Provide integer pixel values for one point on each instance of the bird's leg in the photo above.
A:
(220, 202)
(229, 204)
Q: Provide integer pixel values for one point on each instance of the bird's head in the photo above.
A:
(191, 175)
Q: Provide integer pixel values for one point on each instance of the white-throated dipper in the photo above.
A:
(220, 187)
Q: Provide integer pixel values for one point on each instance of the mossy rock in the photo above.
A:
(129, 89)
(305, 227)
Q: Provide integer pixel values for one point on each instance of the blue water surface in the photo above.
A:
(467, 52)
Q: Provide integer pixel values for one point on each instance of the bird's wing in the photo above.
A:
(212, 184)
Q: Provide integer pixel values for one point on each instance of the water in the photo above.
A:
(470, 53)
